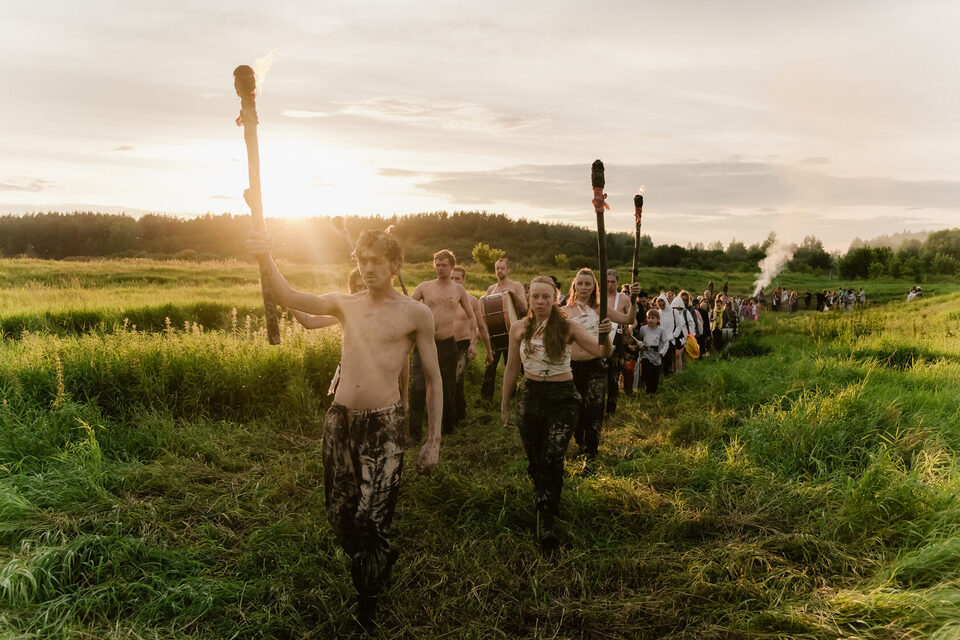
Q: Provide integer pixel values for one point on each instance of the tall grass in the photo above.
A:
(164, 481)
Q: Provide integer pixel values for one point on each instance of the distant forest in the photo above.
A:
(313, 240)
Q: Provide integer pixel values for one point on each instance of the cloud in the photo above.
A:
(123, 147)
(685, 186)
(296, 113)
(18, 183)
(446, 115)
(399, 173)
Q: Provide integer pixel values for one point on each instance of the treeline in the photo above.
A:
(86, 234)
(314, 240)
(939, 254)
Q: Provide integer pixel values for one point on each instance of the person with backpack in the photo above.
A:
(668, 320)
(686, 325)
(705, 338)
(730, 323)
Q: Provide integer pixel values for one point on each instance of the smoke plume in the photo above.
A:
(778, 255)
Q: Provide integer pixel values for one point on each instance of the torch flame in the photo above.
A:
(640, 190)
(261, 66)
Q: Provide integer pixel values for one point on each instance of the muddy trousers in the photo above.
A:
(362, 466)
(547, 414)
(590, 379)
(447, 358)
(461, 401)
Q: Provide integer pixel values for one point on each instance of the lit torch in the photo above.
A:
(599, 204)
(245, 82)
(637, 214)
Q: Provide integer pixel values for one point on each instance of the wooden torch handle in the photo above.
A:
(637, 214)
(598, 182)
(244, 82)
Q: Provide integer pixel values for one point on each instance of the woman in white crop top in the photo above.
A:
(590, 374)
(548, 402)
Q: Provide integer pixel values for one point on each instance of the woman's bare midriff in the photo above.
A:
(560, 377)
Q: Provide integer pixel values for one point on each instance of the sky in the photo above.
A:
(834, 119)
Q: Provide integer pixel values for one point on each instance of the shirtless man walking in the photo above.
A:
(364, 434)
(444, 298)
(467, 339)
(503, 285)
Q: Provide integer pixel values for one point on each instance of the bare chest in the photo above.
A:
(380, 327)
(441, 299)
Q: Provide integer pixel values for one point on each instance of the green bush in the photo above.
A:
(486, 257)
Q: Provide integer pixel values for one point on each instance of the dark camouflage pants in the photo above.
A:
(547, 413)
(462, 347)
(590, 378)
(447, 358)
(362, 465)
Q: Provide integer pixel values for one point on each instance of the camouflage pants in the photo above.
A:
(362, 465)
(590, 378)
(547, 413)
(462, 346)
(447, 358)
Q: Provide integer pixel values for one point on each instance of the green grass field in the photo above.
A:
(165, 481)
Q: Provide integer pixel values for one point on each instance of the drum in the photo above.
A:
(499, 312)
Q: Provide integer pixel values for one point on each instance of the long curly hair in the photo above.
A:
(556, 334)
(573, 298)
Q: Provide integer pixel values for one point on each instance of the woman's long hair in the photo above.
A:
(556, 334)
(572, 299)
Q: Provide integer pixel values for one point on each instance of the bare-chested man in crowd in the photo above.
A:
(622, 303)
(503, 285)
(364, 431)
(444, 297)
(467, 339)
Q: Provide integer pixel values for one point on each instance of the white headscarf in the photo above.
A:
(685, 323)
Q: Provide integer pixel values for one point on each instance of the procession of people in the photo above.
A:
(565, 362)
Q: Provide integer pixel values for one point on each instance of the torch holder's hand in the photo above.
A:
(259, 244)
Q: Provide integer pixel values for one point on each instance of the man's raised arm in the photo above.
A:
(324, 305)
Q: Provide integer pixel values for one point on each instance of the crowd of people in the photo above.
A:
(782, 299)
(674, 328)
(564, 366)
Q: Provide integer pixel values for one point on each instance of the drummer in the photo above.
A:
(503, 285)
